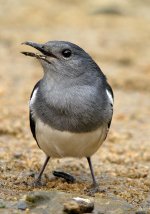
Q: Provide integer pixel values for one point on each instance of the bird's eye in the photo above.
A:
(66, 53)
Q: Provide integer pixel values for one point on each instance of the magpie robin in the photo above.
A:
(71, 107)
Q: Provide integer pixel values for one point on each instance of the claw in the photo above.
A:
(95, 189)
(37, 183)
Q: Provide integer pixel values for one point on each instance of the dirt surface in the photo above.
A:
(116, 34)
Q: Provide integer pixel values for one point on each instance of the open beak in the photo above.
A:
(40, 48)
(37, 46)
(34, 45)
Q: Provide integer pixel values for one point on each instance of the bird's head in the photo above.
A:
(62, 57)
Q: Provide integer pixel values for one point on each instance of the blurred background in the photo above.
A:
(117, 35)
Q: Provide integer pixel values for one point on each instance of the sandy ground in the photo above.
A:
(116, 34)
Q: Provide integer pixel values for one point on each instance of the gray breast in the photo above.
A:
(77, 109)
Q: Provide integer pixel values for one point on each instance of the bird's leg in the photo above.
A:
(92, 172)
(95, 188)
(37, 182)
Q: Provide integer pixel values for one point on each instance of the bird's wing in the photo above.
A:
(110, 91)
(32, 121)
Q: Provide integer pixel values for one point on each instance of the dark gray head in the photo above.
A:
(64, 58)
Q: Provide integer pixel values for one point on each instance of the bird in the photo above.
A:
(71, 106)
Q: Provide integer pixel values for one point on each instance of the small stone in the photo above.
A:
(109, 10)
(22, 205)
(2, 205)
(141, 212)
(69, 178)
(17, 155)
(146, 204)
(71, 207)
(79, 205)
(34, 197)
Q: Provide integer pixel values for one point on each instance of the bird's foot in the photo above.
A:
(69, 178)
(37, 183)
(95, 189)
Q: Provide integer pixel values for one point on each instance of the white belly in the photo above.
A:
(65, 144)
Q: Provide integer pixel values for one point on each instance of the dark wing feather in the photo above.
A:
(108, 87)
(32, 122)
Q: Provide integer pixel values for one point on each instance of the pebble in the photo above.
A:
(69, 178)
(141, 212)
(17, 155)
(79, 205)
(35, 197)
(2, 204)
(22, 205)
